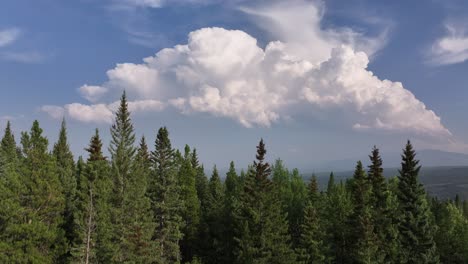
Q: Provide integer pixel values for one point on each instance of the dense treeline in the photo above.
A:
(142, 206)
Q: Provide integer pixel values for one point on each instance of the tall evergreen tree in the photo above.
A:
(8, 146)
(122, 151)
(231, 199)
(262, 228)
(166, 205)
(331, 183)
(191, 214)
(383, 218)
(214, 220)
(415, 227)
(37, 237)
(364, 248)
(137, 218)
(312, 244)
(93, 213)
(65, 170)
(337, 209)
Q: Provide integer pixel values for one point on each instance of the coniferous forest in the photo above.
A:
(138, 205)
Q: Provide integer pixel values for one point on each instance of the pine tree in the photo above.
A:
(214, 220)
(65, 169)
(331, 183)
(137, 216)
(191, 213)
(337, 209)
(93, 216)
(164, 192)
(312, 245)
(382, 215)
(8, 146)
(296, 208)
(364, 248)
(37, 237)
(262, 229)
(415, 227)
(122, 153)
(11, 211)
(231, 199)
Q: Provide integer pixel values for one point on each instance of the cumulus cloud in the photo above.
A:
(451, 48)
(100, 113)
(54, 111)
(92, 93)
(9, 36)
(226, 73)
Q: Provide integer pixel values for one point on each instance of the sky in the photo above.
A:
(318, 80)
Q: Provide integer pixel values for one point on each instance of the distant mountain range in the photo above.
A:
(428, 158)
(444, 182)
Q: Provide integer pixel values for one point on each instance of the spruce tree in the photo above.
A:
(137, 245)
(191, 213)
(65, 169)
(382, 216)
(93, 213)
(166, 205)
(262, 228)
(331, 183)
(8, 146)
(415, 227)
(312, 244)
(337, 209)
(11, 210)
(364, 248)
(122, 153)
(37, 235)
(231, 199)
(214, 220)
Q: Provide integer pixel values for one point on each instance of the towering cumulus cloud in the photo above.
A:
(225, 73)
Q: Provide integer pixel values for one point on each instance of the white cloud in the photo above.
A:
(225, 73)
(23, 57)
(451, 48)
(55, 112)
(92, 93)
(298, 24)
(159, 3)
(9, 36)
(140, 3)
(98, 113)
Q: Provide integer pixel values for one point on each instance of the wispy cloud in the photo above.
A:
(8, 36)
(23, 57)
(451, 48)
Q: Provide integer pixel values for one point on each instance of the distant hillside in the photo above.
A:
(444, 182)
(428, 157)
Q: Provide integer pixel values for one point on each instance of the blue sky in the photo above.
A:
(318, 80)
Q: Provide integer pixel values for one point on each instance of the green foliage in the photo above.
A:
(159, 207)
(338, 208)
(163, 191)
(93, 212)
(364, 248)
(313, 247)
(32, 205)
(415, 226)
(262, 228)
(383, 217)
(452, 232)
(191, 212)
(65, 170)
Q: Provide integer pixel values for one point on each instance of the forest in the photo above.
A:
(139, 205)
